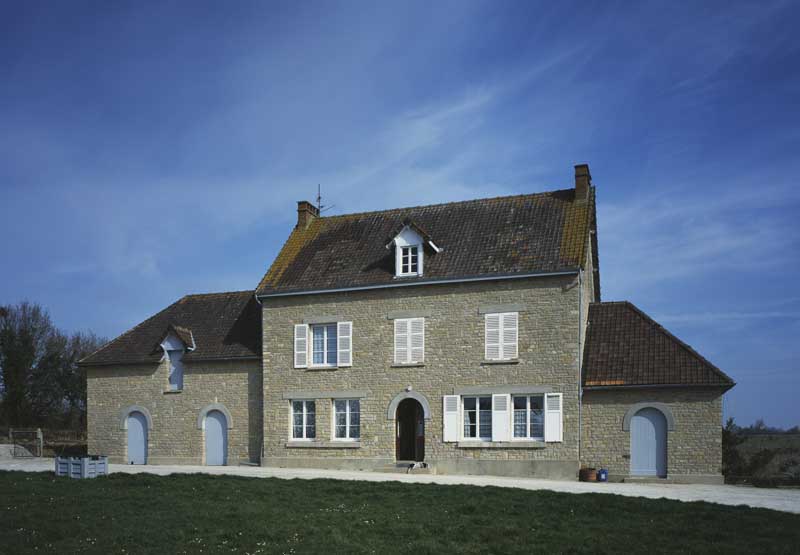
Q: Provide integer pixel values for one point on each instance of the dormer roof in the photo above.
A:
(496, 237)
(176, 337)
(408, 225)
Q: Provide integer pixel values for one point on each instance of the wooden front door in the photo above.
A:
(410, 431)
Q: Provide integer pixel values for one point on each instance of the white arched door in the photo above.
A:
(216, 439)
(137, 438)
(649, 443)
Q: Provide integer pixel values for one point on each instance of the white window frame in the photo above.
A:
(528, 436)
(305, 413)
(310, 344)
(348, 412)
(501, 336)
(478, 436)
(409, 323)
(401, 265)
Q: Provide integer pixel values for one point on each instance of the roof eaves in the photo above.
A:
(411, 283)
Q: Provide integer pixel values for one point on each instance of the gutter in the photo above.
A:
(416, 283)
(656, 386)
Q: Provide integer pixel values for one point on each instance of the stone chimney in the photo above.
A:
(306, 213)
(583, 180)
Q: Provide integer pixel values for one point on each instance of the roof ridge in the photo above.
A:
(451, 203)
(131, 330)
(681, 343)
(218, 293)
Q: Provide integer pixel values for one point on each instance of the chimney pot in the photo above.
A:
(306, 213)
(583, 181)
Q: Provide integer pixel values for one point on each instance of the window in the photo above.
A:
(347, 419)
(175, 369)
(323, 345)
(477, 418)
(501, 336)
(409, 340)
(409, 261)
(304, 420)
(529, 417)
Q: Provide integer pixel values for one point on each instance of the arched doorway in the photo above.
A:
(649, 443)
(137, 438)
(410, 431)
(216, 433)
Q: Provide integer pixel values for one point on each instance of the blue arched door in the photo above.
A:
(137, 438)
(649, 443)
(216, 439)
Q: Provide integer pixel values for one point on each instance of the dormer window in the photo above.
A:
(408, 242)
(409, 261)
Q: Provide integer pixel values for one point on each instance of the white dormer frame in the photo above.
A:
(408, 238)
(174, 349)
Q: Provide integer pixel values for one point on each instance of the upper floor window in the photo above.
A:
(175, 369)
(409, 340)
(501, 336)
(323, 345)
(409, 261)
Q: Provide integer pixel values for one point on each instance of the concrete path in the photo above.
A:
(778, 499)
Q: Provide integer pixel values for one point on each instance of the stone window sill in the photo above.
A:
(409, 365)
(172, 391)
(323, 444)
(324, 368)
(501, 444)
(492, 362)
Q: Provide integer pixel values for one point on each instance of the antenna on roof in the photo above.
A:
(321, 207)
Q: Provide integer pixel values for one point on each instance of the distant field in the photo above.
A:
(770, 458)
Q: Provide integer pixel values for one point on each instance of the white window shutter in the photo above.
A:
(301, 346)
(400, 341)
(417, 333)
(450, 421)
(344, 338)
(492, 336)
(553, 410)
(510, 335)
(501, 417)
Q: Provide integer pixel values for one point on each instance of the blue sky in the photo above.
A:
(147, 152)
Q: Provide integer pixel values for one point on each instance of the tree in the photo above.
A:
(732, 462)
(24, 330)
(40, 380)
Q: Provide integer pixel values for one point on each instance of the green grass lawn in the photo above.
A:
(226, 514)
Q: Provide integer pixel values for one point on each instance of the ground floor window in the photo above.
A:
(347, 419)
(304, 420)
(477, 417)
(529, 417)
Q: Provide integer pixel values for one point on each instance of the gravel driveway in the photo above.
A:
(778, 499)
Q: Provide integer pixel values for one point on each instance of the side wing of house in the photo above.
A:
(652, 406)
(182, 387)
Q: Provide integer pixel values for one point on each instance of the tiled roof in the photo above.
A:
(625, 347)
(535, 233)
(222, 325)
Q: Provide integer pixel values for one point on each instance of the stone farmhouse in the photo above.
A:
(468, 336)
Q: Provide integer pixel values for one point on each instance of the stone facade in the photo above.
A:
(694, 446)
(175, 437)
(549, 327)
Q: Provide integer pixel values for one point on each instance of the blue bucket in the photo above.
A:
(602, 475)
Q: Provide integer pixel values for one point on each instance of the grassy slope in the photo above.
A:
(189, 513)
